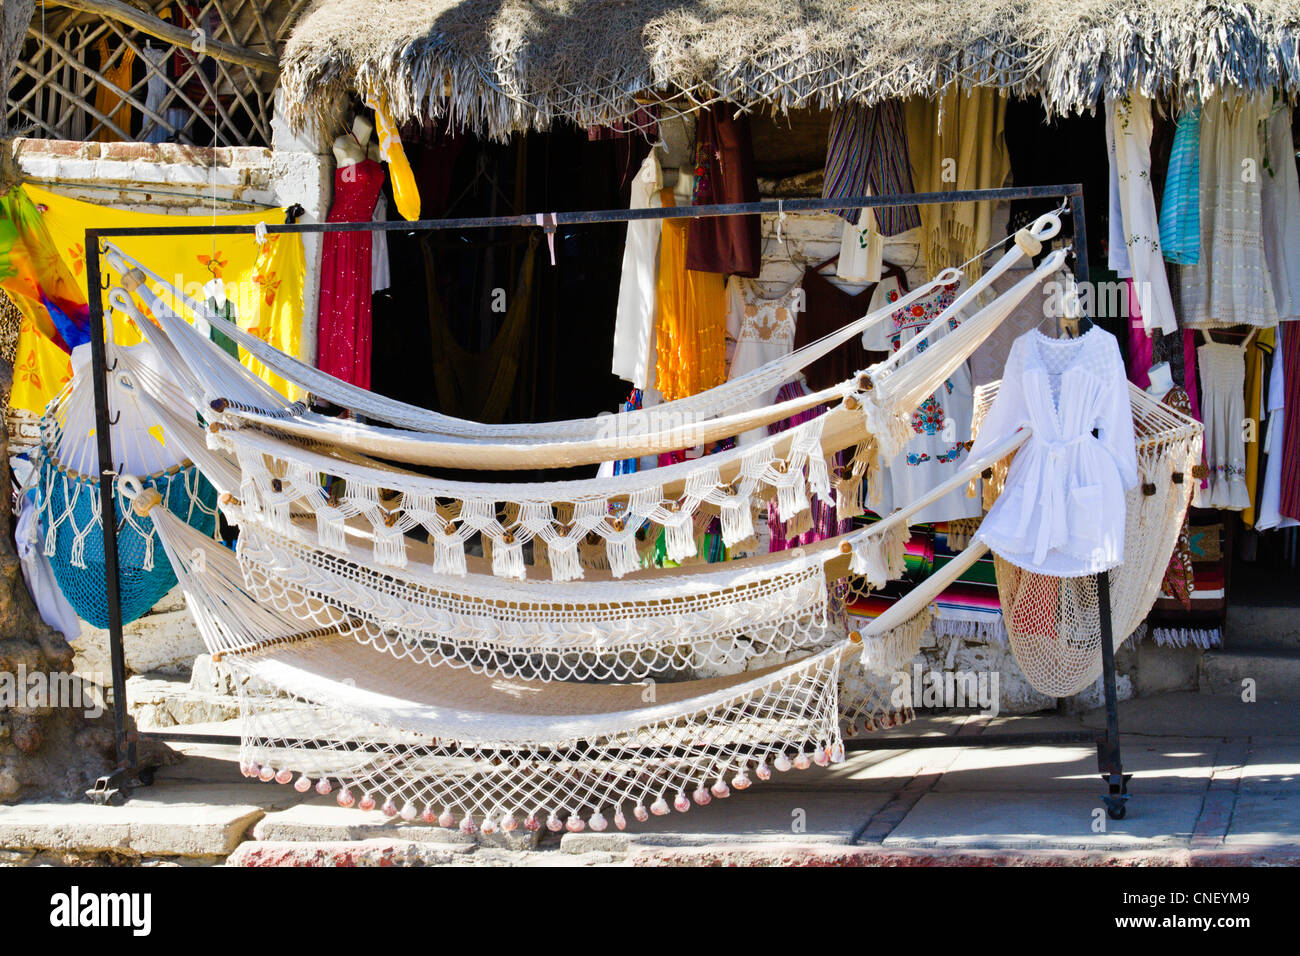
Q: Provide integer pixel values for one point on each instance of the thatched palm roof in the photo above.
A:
(506, 65)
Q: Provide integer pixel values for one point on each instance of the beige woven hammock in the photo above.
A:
(380, 660)
(324, 712)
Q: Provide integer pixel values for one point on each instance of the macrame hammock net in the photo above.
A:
(68, 492)
(500, 655)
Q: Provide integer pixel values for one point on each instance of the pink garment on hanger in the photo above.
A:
(1189, 373)
(1141, 352)
(1141, 349)
(1141, 343)
(344, 337)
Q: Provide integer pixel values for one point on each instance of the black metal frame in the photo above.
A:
(129, 774)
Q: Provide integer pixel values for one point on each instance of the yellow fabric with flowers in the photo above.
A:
(263, 281)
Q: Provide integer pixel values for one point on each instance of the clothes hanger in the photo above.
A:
(1067, 325)
(481, 172)
(1230, 331)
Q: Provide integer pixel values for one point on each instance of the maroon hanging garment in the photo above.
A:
(724, 173)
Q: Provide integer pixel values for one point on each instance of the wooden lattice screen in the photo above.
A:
(84, 77)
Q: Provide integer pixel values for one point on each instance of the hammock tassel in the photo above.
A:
(623, 555)
(390, 546)
(737, 521)
(448, 555)
(563, 554)
(880, 558)
(77, 553)
(679, 537)
(893, 650)
(508, 557)
(848, 494)
(330, 528)
(819, 478)
(801, 523)
(791, 497)
(277, 511)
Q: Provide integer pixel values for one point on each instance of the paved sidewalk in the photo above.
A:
(1215, 781)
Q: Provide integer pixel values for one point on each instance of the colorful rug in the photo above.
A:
(969, 608)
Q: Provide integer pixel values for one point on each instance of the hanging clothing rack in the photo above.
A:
(129, 774)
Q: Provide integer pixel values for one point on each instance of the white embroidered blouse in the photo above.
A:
(1062, 510)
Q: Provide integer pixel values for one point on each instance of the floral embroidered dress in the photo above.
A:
(941, 423)
(1062, 510)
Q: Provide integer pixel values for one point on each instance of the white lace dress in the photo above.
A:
(1222, 369)
(762, 328)
(1062, 511)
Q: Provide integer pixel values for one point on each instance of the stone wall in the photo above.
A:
(42, 748)
(59, 750)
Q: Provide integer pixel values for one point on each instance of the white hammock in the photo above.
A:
(705, 417)
(664, 621)
(281, 479)
(479, 751)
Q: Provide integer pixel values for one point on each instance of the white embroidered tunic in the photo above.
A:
(1062, 510)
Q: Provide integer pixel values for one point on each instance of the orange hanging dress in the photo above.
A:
(107, 100)
(690, 318)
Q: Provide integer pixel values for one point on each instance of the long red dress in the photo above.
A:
(343, 340)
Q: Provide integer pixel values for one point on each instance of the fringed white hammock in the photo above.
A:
(433, 439)
(710, 616)
(492, 753)
(281, 477)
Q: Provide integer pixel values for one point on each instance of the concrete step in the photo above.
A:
(321, 820)
(201, 823)
(1263, 628)
(1273, 675)
(161, 700)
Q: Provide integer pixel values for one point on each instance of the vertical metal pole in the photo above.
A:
(126, 745)
(1108, 751)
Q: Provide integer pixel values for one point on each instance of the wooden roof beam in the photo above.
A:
(154, 27)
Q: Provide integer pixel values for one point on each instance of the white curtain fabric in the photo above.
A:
(1280, 187)
(50, 602)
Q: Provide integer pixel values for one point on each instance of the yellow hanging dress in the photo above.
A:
(690, 318)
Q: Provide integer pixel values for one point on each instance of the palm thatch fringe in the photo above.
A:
(501, 66)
